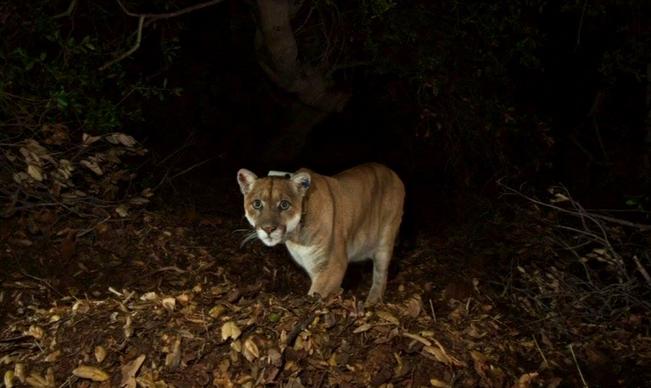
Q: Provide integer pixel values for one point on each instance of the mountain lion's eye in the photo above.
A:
(257, 204)
(283, 205)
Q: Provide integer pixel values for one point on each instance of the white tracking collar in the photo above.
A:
(283, 174)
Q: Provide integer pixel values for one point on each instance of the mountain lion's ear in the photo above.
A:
(246, 179)
(302, 181)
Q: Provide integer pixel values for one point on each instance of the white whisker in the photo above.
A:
(251, 236)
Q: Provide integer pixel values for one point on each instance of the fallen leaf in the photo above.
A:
(439, 383)
(126, 140)
(9, 379)
(49, 377)
(173, 358)
(122, 211)
(474, 332)
(525, 380)
(387, 316)
(90, 373)
(558, 197)
(128, 328)
(138, 201)
(148, 380)
(362, 328)
(251, 351)
(35, 332)
(36, 380)
(35, 172)
(414, 306)
(36, 148)
(19, 371)
(10, 156)
(100, 354)
(418, 338)
(92, 166)
(87, 139)
(80, 307)
(66, 168)
(121, 138)
(169, 303)
(274, 357)
(52, 357)
(216, 311)
(230, 330)
(294, 382)
(20, 177)
(58, 133)
(129, 372)
(441, 355)
(149, 296)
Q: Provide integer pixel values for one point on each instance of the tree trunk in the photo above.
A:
(278, 57)
(315, 95)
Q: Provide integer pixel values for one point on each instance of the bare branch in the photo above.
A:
(68, 11)
(642, 270)
(145, 19)
(169, 15)
(133, 48)
(641, 227)
(578, 368)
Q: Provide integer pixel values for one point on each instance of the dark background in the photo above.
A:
(453, 97)
(538, 124)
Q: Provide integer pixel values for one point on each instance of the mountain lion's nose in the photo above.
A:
(269, 228)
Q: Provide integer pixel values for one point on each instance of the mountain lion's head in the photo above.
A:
(273, 205)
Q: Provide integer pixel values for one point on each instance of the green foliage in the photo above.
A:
(638, 202)
(50, 73)
(375, 8)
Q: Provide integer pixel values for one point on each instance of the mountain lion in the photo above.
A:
(327, 222)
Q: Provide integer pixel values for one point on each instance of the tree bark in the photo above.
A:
(278, 57)
(315, 94)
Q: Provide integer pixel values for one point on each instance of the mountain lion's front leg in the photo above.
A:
(327, 279)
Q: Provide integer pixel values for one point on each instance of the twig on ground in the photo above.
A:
(540, 351)
(299, 328)
(168, 268)
(431, 306)
(585, 384)
(86, 231)
(642, 270)
(291, 337)
(577, 256)
(42, 281)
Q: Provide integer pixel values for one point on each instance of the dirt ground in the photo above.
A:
(169, 298)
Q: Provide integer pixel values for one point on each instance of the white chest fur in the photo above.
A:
(306, 256)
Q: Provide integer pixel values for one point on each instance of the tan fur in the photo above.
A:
(331, 221)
